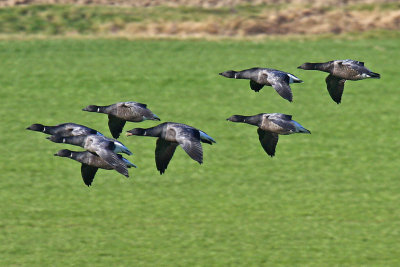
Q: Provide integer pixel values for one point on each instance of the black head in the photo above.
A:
(307, 66)
(91, 108)
(228, 73)
(36, 127)
(64, 153)
(235, 118)
(136, 131)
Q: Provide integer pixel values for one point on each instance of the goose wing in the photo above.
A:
(282, 120)
(255, 86)
(280, 82)
(350, 61)
(164, 152)
(104, 149)
(268, 141)
(189, 140)
(88, 172)
(115, 125)
(138, 104)
(280, 116)
(335, 87)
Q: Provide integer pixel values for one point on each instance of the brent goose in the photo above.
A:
(270, 125)
(170, 135)
(120, 113)
(340, 71)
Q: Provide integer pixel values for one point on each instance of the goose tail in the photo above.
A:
(120, 148)
(300, 128)
(374, 75)
(128, 163)
(206, 138)
(294, 79)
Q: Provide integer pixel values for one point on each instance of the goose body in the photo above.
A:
(339, 72)
(90, 163)
(260, 77)
(121, 112)
(104, 147)
(270, 126)
(64, 129)
(169, 136)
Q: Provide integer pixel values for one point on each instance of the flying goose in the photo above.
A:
(64, 129)
(73, 129)
(340, 71)
(270, 126)
(259, 77)
(104, 147)
(120, 113)
(90, 163)
(170, 135)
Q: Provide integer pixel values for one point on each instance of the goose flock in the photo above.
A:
(104, 152)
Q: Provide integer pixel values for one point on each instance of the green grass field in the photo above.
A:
(327, 199)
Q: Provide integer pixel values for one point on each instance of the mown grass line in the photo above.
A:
(329, 198)
(227, 21)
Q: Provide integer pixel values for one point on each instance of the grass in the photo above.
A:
(327, 199)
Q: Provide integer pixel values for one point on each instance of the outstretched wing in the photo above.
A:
(189, 140)
(255, 86)
(268, 141)
(88, 173)
(111, 158)
(116, 125)
(140, 104)
(280, 116)
(350, 61)
(164, 152)
(335, 87)
(280, 82)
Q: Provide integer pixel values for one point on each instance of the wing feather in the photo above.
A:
(164, 152)
(255, 86)
(268, 141)
(88, 173)
(189, 140)
(111, 158)
(335, 87)
(116, 125)
(280, 82)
